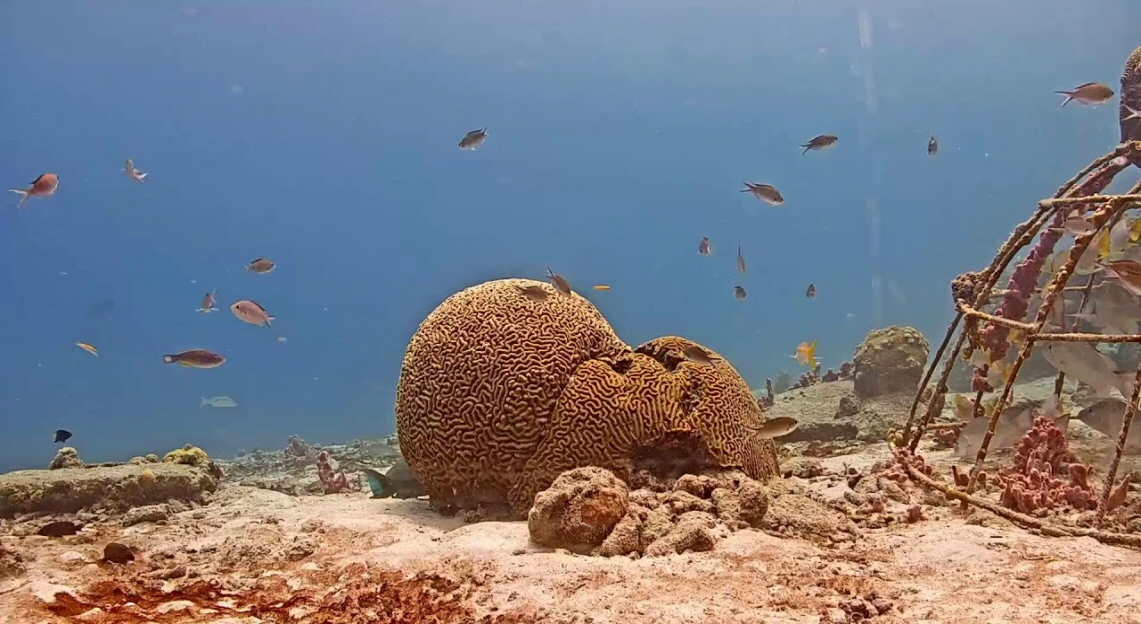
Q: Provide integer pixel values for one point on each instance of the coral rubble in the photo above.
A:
(112, 488)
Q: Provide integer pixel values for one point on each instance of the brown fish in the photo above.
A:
(58, 529)
(134, 174)
(195, 358)
(932, 146)
(208, 303)
(766, 192)
(1127, 272)
(252, 312)
(821, 142)
(261, 265)
(534, 292)
(1107, 416)
(739, 292)
(694, 353)
(705, 248)
(560, 283)
(776, 427)
(740, 259)
(811, 292)
(473, 139)
(42, 186)
(1090, 94)
(114, 552)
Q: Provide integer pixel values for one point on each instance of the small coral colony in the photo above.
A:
(1112, 251)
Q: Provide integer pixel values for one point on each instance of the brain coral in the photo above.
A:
(500, 394)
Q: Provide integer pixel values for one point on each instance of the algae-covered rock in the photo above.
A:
(116, 488)
(67, 457)
(890, 360)
(191, 455)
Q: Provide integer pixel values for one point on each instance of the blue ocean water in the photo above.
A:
(324, 136)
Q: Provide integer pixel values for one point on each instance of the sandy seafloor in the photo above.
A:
(255, 555)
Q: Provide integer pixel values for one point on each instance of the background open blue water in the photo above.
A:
(323, 135)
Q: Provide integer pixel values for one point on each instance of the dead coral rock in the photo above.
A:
(728, 505)
(890, 360)
(66, 457)
(754, 499)
(797, 515)
(680, 502)
(149, 513)
(579, 510)
(11, 563)
(498, 391)
(699, 486)
(803, 467)
(692, 532)
(191, 455)
(116, 488)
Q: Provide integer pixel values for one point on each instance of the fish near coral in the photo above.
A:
(1082, 361)
(1090, 94)
(397, 482)
(1130, 101)
(1106, 417)
(776, 427)
(58, 529)
(559, 282)
(117, 553)
(534, 292)
(43, 186)
(1012, 425)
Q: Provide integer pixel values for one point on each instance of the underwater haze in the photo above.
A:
(324, 136)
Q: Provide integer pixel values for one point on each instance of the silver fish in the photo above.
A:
(1012, 425)
(219, 401)
(251, 312)
(1106, 417)
(1113, 309)
(694, 353)
(473, 139)
(740, 259)
(1090, 94)
(776, 427)
(1082, 361)
(765, 192)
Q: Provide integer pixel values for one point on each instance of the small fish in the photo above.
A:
(766, 192)
(739, 292)
(1135, 231)
(208, 302)
(397, 482)
(602, 287)
(219, 401)
(261, 265)
(811, 292)
(932, 146)
(740, 259)
(114, 552)
(58, 529)
(88, 348)
(61, 435)
(1133, 113)
(42, 186)
(1077, 226)
(1012, 425)
(697, 354)
(282, 339)
(776, 427)
(1127, 272)
(1090, 94)
(705, 248)
(251, 312)
(1113, 309)
(560, 283)
(134, 174)
(821, 142)
(1106, 416)
(195, 358)
(1082, 361)
(473, 139)
(534, 292)
(806, 354)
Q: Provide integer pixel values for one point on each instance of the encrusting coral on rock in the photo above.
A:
(67, 457)
(889, 360)
(499, 394)
(191, 455)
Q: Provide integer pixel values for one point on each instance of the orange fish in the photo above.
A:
(602, 287)
(195, 358)
(42, 186)
(88, 348)
(261, 265)
(251, 312)
(806, 354)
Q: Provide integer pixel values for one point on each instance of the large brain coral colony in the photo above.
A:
(501, 392)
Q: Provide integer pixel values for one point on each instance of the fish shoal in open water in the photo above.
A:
(134, 174)
(195, 358)
(261, 265)
(473, 139)
(765, 192)
(252, 312)
(822, 142)
(42, 186)
(1090, 94)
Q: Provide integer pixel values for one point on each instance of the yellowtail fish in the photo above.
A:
(776, 427)
(88, 348)
(534, 292)
(473, 139)
(261, 265)
(1090, 94)
(208, 303)
(705, 248)
(1127, 272)
(195, 358)
(251, 312)
(134, 174)
(740, 259)
(739, 292)
(559, 282)
(806, 354)
(821, 142)
(603, 287)
(42, 186)
(694, 353)
(811, 292)
(932, 146)
(766, 192)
